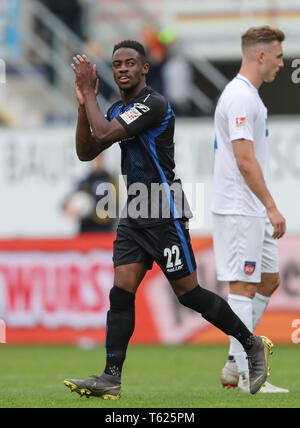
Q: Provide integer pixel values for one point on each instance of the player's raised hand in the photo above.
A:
(86, 77)
(278, 222)
(79, 94)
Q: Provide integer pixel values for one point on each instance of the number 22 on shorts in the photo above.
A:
(173, 257)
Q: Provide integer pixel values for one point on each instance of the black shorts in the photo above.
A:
(168, 244)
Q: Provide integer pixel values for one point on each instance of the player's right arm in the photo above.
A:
(87, 146)
(102, 133)
(252, 173)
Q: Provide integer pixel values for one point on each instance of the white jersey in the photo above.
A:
(240, 114)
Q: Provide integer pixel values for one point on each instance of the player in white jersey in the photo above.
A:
(246, 220)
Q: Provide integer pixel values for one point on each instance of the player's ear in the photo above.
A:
(145, 69)
(261, 56)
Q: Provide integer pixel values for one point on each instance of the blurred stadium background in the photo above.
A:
(54, 281)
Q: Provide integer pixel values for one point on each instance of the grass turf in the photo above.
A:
(185, 376)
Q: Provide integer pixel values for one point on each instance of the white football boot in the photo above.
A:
(244, 383)
(231, 379)
(229, 374)
(268, 388)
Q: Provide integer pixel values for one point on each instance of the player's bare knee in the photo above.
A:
(184, 285)
(129, 277)
(243, 289)
(251, 291)
(180, 290)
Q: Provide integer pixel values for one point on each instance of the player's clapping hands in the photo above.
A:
(87, 80)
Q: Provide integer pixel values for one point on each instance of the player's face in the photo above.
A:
(273, 61)
(128, 68)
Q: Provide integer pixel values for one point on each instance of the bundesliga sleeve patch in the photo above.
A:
(131, 115)
(240, 122)
(249, 268)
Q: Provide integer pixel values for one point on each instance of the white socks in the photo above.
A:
(242, 306)
(259, 304)
(250, 311)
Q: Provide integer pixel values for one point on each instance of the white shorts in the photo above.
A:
(244, 247)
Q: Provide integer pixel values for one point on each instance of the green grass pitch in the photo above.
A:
(185, 376)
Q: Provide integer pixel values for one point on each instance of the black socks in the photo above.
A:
(119, 329)
(121, 322)
(217, 311)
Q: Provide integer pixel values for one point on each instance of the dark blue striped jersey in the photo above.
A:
(155, 196)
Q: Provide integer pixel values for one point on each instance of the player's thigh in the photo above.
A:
(184, 285)
(131, 261)
(174, 254)
(128, 277)
(238, 245)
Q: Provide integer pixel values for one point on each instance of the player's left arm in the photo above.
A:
(104, 132)
(241, 113)
(251, 171)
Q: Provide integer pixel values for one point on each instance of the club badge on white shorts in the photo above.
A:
(249, 268)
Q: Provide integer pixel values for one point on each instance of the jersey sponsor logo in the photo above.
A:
(249, 268)
(141, 107)
(240, 122)
(131, 115)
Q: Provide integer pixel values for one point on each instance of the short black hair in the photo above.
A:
(132, 44)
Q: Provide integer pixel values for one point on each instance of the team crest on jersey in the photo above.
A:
(249, 268)
(131, 115)
(240, 122)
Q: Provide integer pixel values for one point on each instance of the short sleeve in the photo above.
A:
(143, 115)
(241, 111)
(108, 113)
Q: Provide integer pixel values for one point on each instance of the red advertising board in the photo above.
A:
(56, 291)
